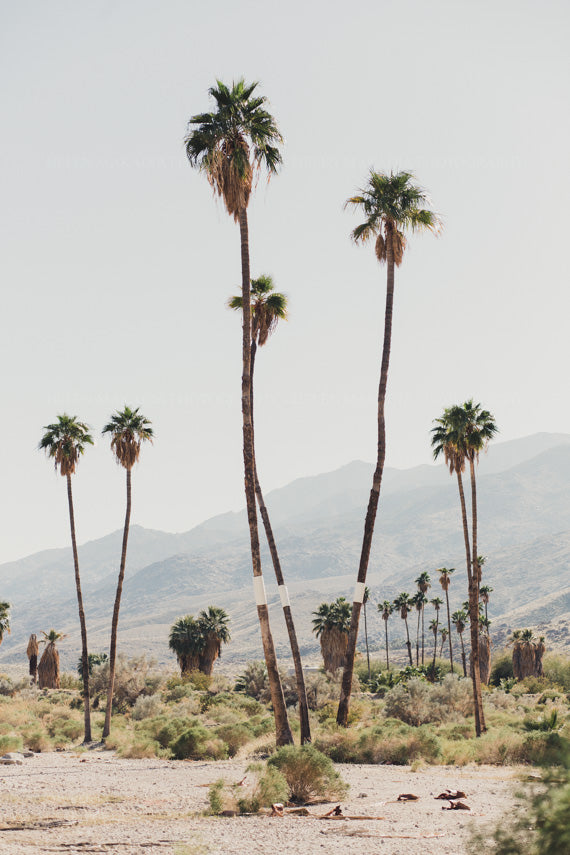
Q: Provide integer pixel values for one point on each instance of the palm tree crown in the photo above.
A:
(268, 307)
(4, 619)
(386, 608)
(234, 142)
(391, 204)
(128, 429)
(332, 616)
(461, 434)
(64, 442)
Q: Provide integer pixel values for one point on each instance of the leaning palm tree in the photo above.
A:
(128, 429)
(64, 442)
(391, 204)
(437, 603)
(187, 641)
(48, 667)
(386, 608)
(330, 625)
(403, 603)
(213, 624)
(231, 145)
(4, 619)
(459, 620)
(444, 581)
(424, 584)
(268, 307)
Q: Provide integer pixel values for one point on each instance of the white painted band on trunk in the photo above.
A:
(284, 594)
(259, 591)
(359, 589)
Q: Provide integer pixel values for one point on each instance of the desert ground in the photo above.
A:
(93, 802)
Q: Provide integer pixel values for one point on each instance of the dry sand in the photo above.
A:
(100, 803)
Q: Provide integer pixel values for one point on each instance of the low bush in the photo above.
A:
(557, 671)
(310, 775)
(501, 668)
(133, 677)
(262, 787)
(417, 702)
(146, 706)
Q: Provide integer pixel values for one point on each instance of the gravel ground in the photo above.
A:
(96, 802)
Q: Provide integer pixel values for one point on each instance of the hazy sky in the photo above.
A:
(117, 261)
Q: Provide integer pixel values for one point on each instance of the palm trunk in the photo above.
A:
(418, 639)
(282, 730)
(423, 633)
(366, 640)
(441, 647)
(475, 675)
(449, 628)
(387, 656)
(474, 598)
(435, 640)
(346, 687)
(409, 643)
(463, 655)
(117, 606)
(84, 650)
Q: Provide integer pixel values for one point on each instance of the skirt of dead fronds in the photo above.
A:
(333, 647)
(32, 652)
(485, 658)
(209, 654)
(48, 668)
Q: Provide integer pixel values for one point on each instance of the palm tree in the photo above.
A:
(32, 651)
(128, 430)
(424, 584)
(230, 146)
(64, 442)
(459, 620)
(434, 626)
(4, 619)
(386, 608)
(444, 581)
(484, 592)
(419, 600)
(437, 602)
(48, 668)
(330, 625)
(444, 636)
(186, 640)
(391, 204)
(268, 307)
(403, 603)
(213, 625)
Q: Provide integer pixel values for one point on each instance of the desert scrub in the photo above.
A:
(133, 677)
(262, 787)
(310, 775)
(418, 702)
(392, 742)
(146, 706)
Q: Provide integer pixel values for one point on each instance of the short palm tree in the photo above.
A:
(4, 619)
(187, 641)
(444, 634)
(404, 604)
(444, 581)
(48, 667)
(230, 145)
(484, 592)
(419, 600)
(330, 624)
(128, 430)
(65, 442)
(386, 608)
(32, 652)
(268, 307)
(437, 603)
(424, 584)
(213, 623)
(459, 620)
(391, 204)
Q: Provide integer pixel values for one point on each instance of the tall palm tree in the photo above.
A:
(434, 627)
(268, 307)
(484, 592)
(424, 584)
(459, 620)
(403, 603)
(231, 145)
(64, 442)
(128, 430)
(213, 624)
(4, 619)
(386, 608)
(391, 204)
(419, 600)
(330, 625)
(186, 640)
(449, 440)
(445, 581)
(364, 602)
(437, 603)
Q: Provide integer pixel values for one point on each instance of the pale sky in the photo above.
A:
(117, 261)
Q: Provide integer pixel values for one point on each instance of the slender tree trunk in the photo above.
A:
(423, 633)
(418, 638)
(387, 656)
(435, 639)
(441, 647)
(409, 643)
(463, 655)
(366, 640)
(449, 628)
(474, 598)
(282, 730)
(117, 606)
(84, 650)
(346, 687)
(295, 653)
(475, 675)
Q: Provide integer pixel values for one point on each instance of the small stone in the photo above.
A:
(12, 759)
(28, 753)
(362, 796)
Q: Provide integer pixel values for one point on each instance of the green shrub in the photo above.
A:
(263, 786)
(6, 686)
(254, 682)
(196, 743)
(146, 706)
(309, 774)
(418, 702)
(557, 671)
(10, 743)
(235, 736)
(501, 668)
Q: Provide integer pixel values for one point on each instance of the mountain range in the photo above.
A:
(524, 531)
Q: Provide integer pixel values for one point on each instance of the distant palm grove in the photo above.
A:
(232, 146)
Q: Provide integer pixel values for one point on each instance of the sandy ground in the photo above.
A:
(96, 802)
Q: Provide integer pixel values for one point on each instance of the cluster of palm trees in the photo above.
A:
(197, 642)
(64, 442)
(231, 145)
